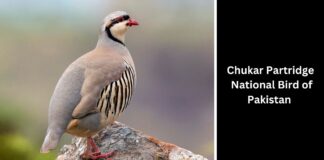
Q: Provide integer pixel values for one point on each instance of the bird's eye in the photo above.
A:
(120, 19)
(126, 17)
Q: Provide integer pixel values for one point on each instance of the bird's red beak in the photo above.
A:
(132, 22)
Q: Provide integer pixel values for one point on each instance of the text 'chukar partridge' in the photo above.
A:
(95, 89)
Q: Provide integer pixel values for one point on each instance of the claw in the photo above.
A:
(93, 152)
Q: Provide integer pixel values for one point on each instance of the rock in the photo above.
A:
(128, 144)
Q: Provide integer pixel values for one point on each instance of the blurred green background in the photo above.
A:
(173, 53)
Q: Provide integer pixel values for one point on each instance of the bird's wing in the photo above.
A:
(63, 101)
(99, 73)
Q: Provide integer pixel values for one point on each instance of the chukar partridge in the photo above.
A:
(95, 89)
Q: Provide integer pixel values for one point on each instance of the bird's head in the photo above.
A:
(116, 24)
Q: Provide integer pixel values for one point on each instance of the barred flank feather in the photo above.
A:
(116, 96)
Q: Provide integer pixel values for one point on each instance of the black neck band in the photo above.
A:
(111, 36)
(113, 22)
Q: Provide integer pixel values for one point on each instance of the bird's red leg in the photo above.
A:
(93, 151)
(87, 152)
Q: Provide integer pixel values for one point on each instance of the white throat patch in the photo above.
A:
(118, 30)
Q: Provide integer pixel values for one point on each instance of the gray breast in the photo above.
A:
(115, 97)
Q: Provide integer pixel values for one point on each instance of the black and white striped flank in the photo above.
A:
(115, 97)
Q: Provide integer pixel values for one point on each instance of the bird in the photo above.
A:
(95, 89)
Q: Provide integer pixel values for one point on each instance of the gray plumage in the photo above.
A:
(95, 88)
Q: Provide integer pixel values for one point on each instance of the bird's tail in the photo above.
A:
(51, 140)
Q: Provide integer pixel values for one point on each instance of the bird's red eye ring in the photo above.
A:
(120, 19)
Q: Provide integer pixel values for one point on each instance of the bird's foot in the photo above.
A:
(97, 155)
(93, 151)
